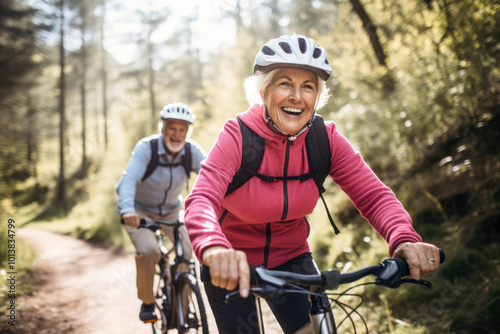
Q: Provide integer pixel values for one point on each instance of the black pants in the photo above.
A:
(239, 316)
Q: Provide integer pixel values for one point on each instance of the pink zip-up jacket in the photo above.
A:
(268, 220)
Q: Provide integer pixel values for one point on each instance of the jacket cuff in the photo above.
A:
(199, 251)
(126, 210)
(393, 245)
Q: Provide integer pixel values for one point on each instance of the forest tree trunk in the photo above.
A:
(104, 78)
(61, 182)
(83, 92)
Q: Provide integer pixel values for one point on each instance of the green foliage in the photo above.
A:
(454, 204)
(22, 260)
(18, 68)
(3, 242)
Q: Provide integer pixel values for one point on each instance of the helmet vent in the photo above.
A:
(267, 51)
(285, 47)
(302, 45)
(178, 111)
(316, 53)
(294, 51)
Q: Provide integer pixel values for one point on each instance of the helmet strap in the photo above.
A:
(275, 128)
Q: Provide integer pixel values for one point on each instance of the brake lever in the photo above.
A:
(153, 228)
(266, 292)
(395, 283)
(414, 281)
(232, 295)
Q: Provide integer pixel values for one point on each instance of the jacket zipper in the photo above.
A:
(285, 174)
(268, 243)
(166, 192)
(285, 205)
(222, 217)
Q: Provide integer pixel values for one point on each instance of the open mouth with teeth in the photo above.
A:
(292, 111)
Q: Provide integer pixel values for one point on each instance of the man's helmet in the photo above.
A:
(178, 111)
(295, 51)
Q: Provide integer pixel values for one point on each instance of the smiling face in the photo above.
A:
(174, 134)
(290, 99)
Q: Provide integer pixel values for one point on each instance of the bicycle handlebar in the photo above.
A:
(154, 224)
(389, 273)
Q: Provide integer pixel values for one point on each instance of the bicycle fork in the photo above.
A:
(320, 317)
(321, 320)
(259, 315)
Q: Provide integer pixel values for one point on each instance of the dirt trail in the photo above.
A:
(85, 289)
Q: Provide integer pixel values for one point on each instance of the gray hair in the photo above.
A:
(259, 82)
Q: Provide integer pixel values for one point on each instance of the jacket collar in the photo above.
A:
(254, 119)
(163, 151)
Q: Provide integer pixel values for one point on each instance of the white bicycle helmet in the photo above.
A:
(178, 111)
(295, 51)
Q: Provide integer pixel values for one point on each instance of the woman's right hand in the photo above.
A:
(228, 268)
(131, 219)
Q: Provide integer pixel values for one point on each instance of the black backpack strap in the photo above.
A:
(187, 162)
(252, 153)
(318, 152)
(319, 158)
(153, 162)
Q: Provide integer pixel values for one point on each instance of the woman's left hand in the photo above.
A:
(422, 258)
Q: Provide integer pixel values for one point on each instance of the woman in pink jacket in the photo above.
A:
(264, 223)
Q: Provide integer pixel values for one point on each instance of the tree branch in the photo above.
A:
(371, 31)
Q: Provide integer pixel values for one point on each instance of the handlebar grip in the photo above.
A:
(205, 274)
(442, 256)
(331, 279)
(404, 269)
(143, 221)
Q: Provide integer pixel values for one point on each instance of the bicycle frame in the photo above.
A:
(172, 274)
(175, 274)
(174, 280)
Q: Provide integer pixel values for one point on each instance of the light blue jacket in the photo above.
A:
(161, 192)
